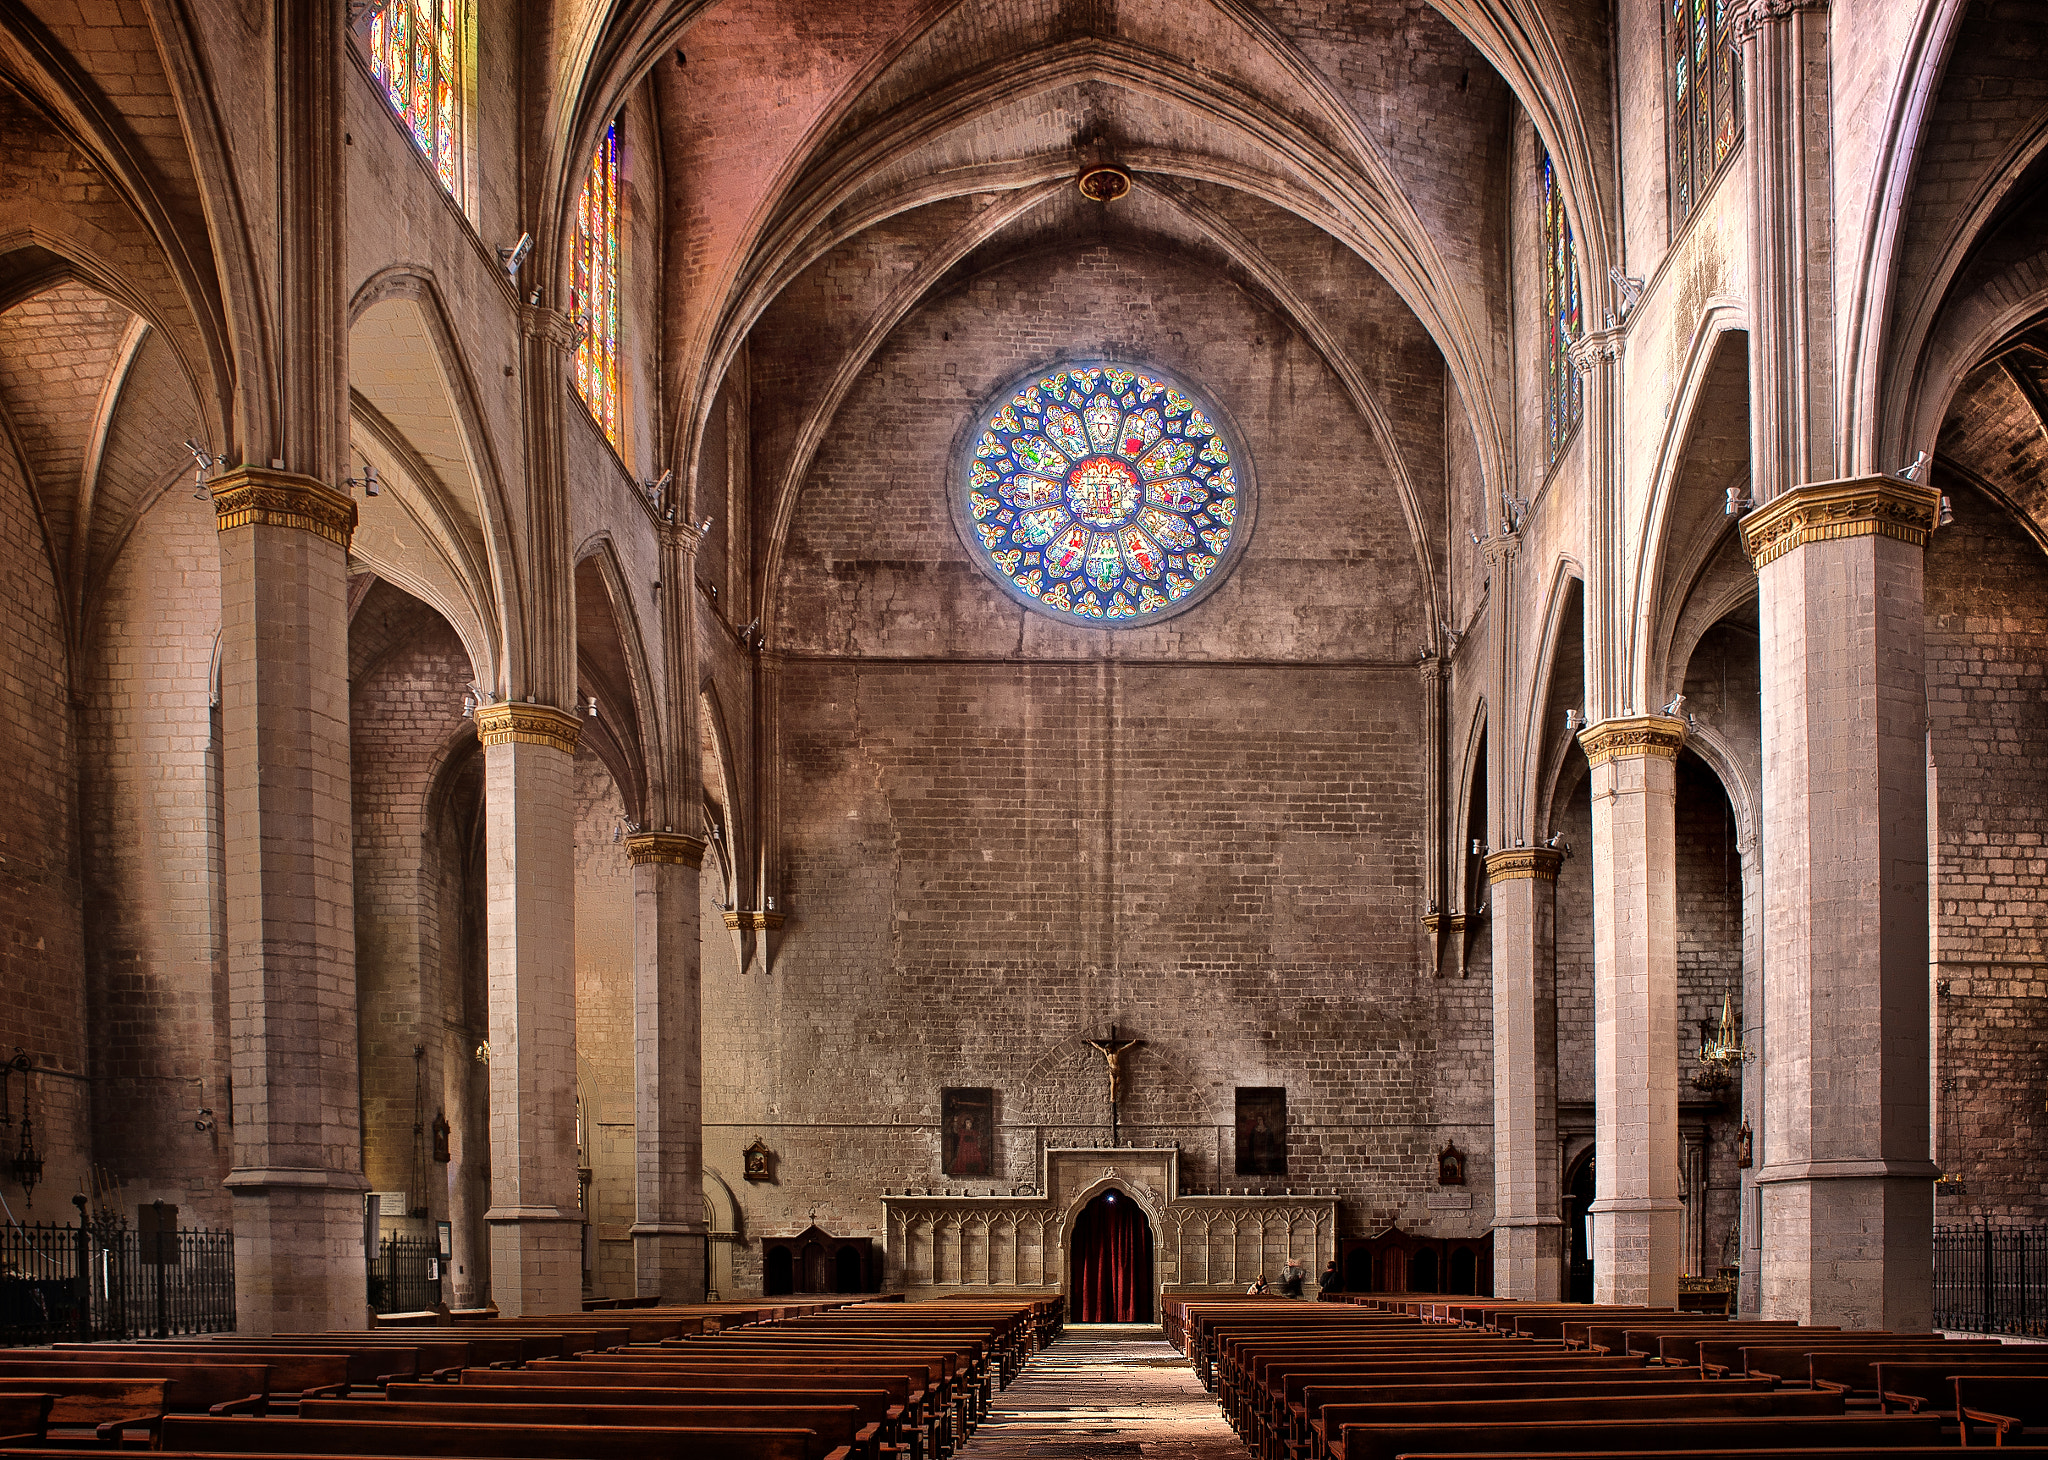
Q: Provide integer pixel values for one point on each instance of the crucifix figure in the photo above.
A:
(1113, 1050)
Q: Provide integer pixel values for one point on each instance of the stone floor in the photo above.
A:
(1106, 1392)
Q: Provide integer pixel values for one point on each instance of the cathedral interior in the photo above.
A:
(735, 647)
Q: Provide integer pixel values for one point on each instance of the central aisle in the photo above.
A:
(1106, 1392)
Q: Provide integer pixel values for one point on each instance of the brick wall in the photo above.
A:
(1987, 681)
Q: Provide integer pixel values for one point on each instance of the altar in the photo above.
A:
(948, 1241)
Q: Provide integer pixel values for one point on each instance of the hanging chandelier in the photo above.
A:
(1722, 1052)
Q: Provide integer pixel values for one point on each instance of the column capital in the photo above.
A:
(1595, 347)
(549, 326)
(1518, 864)
(1632, 738)
(669, 848)
(1747, 15)
(506, 723)
(253, 496)
(1874, 506)
(753, 918)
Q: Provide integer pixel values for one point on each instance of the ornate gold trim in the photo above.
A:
(250, 496)
(1640, 735)
(1857, 507)
(506, 724)
(1518, 864)
(666, 848)
(754, 919)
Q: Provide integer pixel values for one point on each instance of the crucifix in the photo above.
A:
(1112, 1050)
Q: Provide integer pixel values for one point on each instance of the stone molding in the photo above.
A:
(550, 326)
(250, 496)
(1910, 1168)
(1632, 738)
(664, 848)
(754, 918)
(304, 1178)
(1745, 18)
(507, 723)
(1880, 506)
(1518, 864)
(1594, 347)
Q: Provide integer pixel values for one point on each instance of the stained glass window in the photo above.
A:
(594, 284)
(1706, 100)
(416, 50)
(1103, 494)
(1561, 323)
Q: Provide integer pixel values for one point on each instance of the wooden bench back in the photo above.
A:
(1579, 1408)
(25, 1417)
(872, 1405)
(289, 1373)
(1855, 1432)
(514, 1442)
(196, 1387)
(1916, 1384)
(834, 1425)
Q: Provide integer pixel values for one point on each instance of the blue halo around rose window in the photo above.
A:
(1103, 495)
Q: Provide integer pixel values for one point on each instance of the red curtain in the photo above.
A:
(1112, 1262)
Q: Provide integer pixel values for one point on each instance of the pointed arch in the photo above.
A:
(641, 752)
(1706, 353)
(1536, 756)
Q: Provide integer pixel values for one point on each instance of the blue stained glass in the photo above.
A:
(1100, 463)
(1561, 314)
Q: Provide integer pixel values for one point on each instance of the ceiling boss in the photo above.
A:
(1104, 495)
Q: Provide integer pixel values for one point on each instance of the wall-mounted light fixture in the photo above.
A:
(514, 255)
(205, 461)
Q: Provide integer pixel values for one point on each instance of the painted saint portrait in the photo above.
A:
(967, 1131)
(1261, 1130)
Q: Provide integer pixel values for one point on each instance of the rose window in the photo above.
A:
(1103, 494)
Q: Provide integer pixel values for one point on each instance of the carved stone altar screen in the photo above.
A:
(939, 1243)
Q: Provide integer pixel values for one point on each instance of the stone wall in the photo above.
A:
(1987, 682)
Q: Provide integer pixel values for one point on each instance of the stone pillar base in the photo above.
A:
(1635, 1245)
(536, 1262)
(1528, 1260)
(1852, 1251)
(299, 1260)
(668, 1262)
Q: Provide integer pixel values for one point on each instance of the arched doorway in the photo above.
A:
(1112, 1262)
(1578, 1200)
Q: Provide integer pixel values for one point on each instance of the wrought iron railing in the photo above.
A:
(1991, 1278)
(405, 1275)
(103, 1280)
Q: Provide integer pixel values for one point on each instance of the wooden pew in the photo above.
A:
(2010, 1404)
(1746, 1355)
(104, 1406)
(1747, 1452)
(1307, 1401)
(837, 1427)
(294, 1374)
(1675, 1410)
(25, 1418)
(1592, 1436)
(196, 1388)
(1910, 1386)
(512, 1442)
(875, 1407)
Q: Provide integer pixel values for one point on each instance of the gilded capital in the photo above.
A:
(1880, 506)
(666, 848)
(251, 496)
(753, 918)
(1518, 864)
(1637, 736)
(507, 724)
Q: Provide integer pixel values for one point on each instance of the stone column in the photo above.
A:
(668, 1229)
(530, 918)
(1637, 1216)
(1846, 1183)
(298, 1174)
(1528, 1229)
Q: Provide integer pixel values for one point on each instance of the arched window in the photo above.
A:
(416, 51)
(594, 284)
(1561, 323)
(1706, 101)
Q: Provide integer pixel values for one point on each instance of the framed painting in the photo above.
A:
(1261, 1130)
(967, 1131)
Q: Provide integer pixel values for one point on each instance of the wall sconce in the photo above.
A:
(204, 1122)
(27, 1166)
(205, 461)
(369, 482)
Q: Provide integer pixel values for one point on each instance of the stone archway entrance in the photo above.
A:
(1111, 1277)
